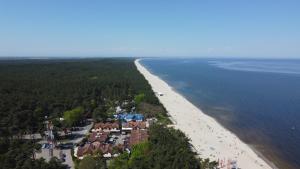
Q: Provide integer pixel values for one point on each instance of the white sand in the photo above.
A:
(209, 138)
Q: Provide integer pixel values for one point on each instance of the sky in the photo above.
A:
(184, 28)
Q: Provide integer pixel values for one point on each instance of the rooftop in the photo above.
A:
(130, 117)
(138, 136)
(98, 136)
(135, 125)
(107, 125)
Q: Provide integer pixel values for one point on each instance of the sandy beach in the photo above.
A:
(209, 138)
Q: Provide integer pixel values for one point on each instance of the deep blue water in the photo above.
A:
(259, 100)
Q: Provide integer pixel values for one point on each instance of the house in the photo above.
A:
(138, 136)
(98, 136)
(107, 127)
(138, 117)
(87, 149)
(96, 147)
(130, 117)
(134, 125)
(138, 125)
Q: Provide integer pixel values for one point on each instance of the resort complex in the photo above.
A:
(114, 137)
(108, 138)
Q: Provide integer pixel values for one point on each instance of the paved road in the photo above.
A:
(32, 136)
(80, 135)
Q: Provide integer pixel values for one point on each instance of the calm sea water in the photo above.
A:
(259, 100)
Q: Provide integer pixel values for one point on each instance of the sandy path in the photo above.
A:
(210, 139)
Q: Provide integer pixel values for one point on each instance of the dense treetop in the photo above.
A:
(74, 89)
(33, 89)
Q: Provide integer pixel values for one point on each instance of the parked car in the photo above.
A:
(66, 146)
(45, 146)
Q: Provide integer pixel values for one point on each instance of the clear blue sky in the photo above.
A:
(239, 28)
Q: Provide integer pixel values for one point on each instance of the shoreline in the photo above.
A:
(209, 138)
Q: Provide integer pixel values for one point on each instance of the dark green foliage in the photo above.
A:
(206, 164)
(120, 162)
(99, 113)
(90, 162)
(33, 89)
(150, 110)
(170, 149)
(74, 116)
(139, 98)
(54, 163)
(139, 156)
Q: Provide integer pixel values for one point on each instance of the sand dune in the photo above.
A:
(209, 138)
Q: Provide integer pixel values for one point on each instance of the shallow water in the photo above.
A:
(259, 100)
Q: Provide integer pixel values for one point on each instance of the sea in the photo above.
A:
(257, 99)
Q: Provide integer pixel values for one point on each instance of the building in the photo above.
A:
(98, 136)
(138, 136)
(97, 147)
(87, 149)
(130, 117)
(106, 127)
(134, 125)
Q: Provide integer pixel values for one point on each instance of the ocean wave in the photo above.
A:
(288, 67)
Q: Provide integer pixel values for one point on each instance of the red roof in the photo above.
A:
(98, 136)
(107, 126)
(138, 136)
(91, 148)
(135, 125)
(85, 150)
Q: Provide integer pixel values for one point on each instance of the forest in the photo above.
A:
(33, 90)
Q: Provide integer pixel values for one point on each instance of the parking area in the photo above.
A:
(80, 134)
(64, 155)
(117, 138)
(63, 148)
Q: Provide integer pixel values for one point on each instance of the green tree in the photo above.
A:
(121, 162)
(99, 114)
(90, 162)
(207, 164)
(139, 98)
(139, 156)
(73, 116)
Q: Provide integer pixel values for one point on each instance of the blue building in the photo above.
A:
(130, 117)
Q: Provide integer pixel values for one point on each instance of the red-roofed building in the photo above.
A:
(98, 136)
(134, 125)
(107, 127)
(92, 148)
(138, 136)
